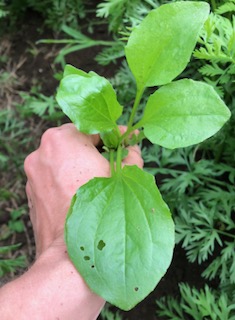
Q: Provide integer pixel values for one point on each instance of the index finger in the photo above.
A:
(134, 157)
(93, 138)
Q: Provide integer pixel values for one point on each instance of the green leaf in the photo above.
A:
(110, 138)
(120, 236)
(68, 70)
(7, 249)
(89, 100)
(159, 48)
(183, 113)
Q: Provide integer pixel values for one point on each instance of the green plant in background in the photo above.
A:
(194, 180)
(124, 13)
(226, 7)
(37, 103)
(11, 132)
(3, 10)
(55, 12)
(198, 304)
(10, 264)
(121, 17)
(107, 314)
(60, 12)
(217, 50)
(128, 204)
(78, 41)
(198, 182)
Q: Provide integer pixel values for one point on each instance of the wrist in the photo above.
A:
(68, 291)
(52, 288)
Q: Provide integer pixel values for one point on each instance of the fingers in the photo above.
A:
(72, 130)
(123, 129)
(67, 136)
(69, 130)
(62, 136)
(134, 154)
(134, 157)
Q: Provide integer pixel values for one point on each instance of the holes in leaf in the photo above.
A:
(87, 258)
(92, 267)
(136, 289)
(82, 248)
(101, 245)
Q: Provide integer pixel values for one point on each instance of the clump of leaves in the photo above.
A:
(12, 128)
(55, 12)
(226, 7)
(124, 13)
(216, 51)
(107, 314)
(120, 16)
(201, 194)
(3, 10)
(13, 263)
(208, 184)
(76, 41)
(125, 268)
(197, 304)
(39, 104)
(9, 260)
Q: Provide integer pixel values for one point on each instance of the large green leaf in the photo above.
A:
(120, 236)
(89, 100)
(183, 113)
(160, 47)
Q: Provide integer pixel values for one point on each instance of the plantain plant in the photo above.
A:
(119, 231)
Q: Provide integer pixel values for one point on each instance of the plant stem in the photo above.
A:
(138, 97)
(226, 233)
(119, 159)
(112, 168)
(130, 126)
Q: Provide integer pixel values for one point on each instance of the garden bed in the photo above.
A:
(29, 67)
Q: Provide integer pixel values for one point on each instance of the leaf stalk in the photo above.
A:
(130, 126)
(138, 97)
(119, 159)
(112, 166)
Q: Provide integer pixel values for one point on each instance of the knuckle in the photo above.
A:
(27, 188)
(140, 163)
(29, 163)
(137, 159)
(48, 136)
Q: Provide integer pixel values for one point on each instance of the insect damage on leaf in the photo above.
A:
(133, 246)
(119, 231)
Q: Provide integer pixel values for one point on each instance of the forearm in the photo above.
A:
(51, 289)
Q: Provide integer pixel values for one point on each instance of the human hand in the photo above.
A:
(52, 288)
(65, 160)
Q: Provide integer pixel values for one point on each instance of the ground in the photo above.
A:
(32, 64)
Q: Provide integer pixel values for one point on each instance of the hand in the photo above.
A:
(52, 288)
(64, 161)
